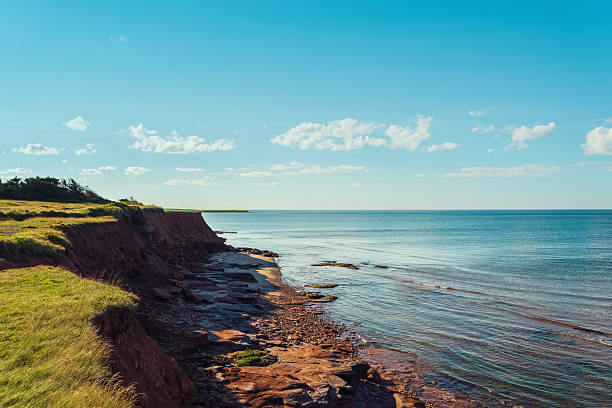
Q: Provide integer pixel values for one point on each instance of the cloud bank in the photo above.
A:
(351, 134)
(149, 141)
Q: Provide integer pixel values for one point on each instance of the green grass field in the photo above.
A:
(50, 353)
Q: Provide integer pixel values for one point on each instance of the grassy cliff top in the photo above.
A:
(35, 227)
(50, 353)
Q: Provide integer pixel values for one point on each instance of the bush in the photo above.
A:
(48, 189)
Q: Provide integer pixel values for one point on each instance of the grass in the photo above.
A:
(50, 353)
(252, 358)
(35, 227)
(39, 236)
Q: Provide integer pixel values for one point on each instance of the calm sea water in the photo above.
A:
(510, 307)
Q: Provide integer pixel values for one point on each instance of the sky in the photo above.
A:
(312, 105)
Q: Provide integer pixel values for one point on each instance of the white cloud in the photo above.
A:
(64, 161)
(254, 174)
(598, 141)
(521, 134)
(275, 184)
(375, 141)
(476, 112)
(490, 150)
(77, 123)
(443, 146)
(136, 170)
(196, 182)
(408, 138)
(36, 149)
(90, 148)
(297, 168)
(99, 170)
(90, 172)
(343, 168)
(582, 164)
(121, 38)
(351, 134)
(525, 170)
(608, 120)
(290, 166)
(188, 169)
(17, 170)
(483, 129)
(345, 134)
(421, 175)
(354, 185)
(606, 168)
(149, 141)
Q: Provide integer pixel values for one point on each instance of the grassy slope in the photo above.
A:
(34, 227)
(50, 353)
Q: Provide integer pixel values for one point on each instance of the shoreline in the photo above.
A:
(236, 301)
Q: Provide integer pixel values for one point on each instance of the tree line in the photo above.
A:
(48, 189)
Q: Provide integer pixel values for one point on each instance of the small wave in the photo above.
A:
(557, 323)
(588, 337)
(430, 285)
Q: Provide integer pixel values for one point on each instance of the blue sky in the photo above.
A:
(312, 105)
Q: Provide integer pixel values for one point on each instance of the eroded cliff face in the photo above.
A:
(138, 255)
(141, 256)
(137, 358)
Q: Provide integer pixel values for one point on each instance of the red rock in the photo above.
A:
(191, 295)
(228, 335)
(404, 401)
(161, 293)
(193, 340)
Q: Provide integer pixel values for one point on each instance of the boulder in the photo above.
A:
(161, 293)
(360, 369)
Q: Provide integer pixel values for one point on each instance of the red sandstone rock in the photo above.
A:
(161, 293)
(157, 377)
(404, 401)
(193, 340)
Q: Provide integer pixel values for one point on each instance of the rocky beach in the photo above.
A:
(234, 303)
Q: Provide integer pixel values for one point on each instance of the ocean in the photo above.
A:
(505, 307)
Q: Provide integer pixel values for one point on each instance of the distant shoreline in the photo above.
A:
(204, 211)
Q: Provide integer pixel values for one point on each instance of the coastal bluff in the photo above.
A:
(135, 251)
